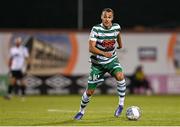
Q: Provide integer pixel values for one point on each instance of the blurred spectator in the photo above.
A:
(139, 82)
(18, 60)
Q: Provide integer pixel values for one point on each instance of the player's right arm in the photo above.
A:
(94, 50)
(27, 58)
(10, 58)
(10, 62)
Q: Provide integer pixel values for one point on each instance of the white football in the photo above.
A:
(133, 113)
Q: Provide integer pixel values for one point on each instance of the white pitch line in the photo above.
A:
(72, 111)
(58, 110)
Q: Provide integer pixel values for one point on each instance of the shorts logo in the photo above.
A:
(94, 77)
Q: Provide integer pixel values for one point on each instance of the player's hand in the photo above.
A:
(107, 54)
(28, 67)
(118, 47)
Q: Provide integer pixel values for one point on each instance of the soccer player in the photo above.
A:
(19, 57)
(104, 39)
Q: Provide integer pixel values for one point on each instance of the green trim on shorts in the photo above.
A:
(113, 73)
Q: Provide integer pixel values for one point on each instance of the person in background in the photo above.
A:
(19, 59)
(139, 82)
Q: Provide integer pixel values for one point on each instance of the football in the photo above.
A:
(133, 113)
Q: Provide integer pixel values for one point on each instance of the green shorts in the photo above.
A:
(98, 70)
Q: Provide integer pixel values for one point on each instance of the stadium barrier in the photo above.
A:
(3, 84)
(59, 58)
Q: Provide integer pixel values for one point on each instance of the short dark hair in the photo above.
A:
(108, 10)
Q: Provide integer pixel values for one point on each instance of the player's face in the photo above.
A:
(18, 41)
(107, 18)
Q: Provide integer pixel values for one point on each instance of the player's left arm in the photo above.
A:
(28, 63)
(27, 59)
(10, 62)
(10, 58)
(119, 41)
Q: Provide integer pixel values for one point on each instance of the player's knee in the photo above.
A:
(119, 76)
(12, 81)
(90, 92)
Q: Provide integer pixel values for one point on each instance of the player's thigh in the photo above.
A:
(20, 77)
(15, 76)
(96, 72)
(115, 68)
(96, 76)
(12, 77)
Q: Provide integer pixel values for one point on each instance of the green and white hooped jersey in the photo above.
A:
(106, 40)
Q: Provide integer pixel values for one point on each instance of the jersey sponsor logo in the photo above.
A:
(16, 55)
(108, 44)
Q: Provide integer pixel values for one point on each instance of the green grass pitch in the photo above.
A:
(60, 110)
